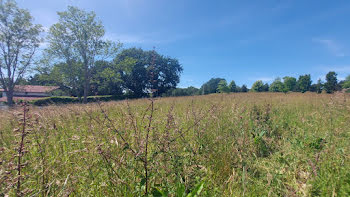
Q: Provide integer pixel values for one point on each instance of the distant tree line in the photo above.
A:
(303, 84)
(288, 84)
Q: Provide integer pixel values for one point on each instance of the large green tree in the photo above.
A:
(164, 73)
(145, 71)
(276, 86)
(331, 82)
(289, 83)
(244, 88)
(106, 79)
(266, 87)
(78, 37)
(233, 87)
(304, 83)
(258, 86)
(210, 86)
(222, 87)
(19, 40)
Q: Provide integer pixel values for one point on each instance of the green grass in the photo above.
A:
(246, 144)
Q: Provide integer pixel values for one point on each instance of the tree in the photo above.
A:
(304, 83)
(143, 71)
(233, 87)
(106, 79)
(317, 87)
(289, 83)
(78, 37)
(346, 83)
(276, 86)
(258, 86)
(222, 87)
(266, 87)
(133, 74)
(164, 72)
(331, 82)
(190, 91)
(19, 39)
(210, 86)
(244, 88)
(238, 89)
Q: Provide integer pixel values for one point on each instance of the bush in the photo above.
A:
(67, 100)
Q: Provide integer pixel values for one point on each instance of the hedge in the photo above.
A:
(66, 100)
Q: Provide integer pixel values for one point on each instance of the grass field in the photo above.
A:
(246, 144)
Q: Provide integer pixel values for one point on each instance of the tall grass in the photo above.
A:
(246, 144)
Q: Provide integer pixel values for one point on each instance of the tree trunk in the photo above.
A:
(86, 85)
(9, 95)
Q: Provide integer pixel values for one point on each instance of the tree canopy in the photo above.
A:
(222, 87)
(144, 71)
(233, 87)
(258, 86)
(289, 83)
(277, 86)
(78, 37)
(19, 40)
(211, 86)
(331, 82)
(304, 83)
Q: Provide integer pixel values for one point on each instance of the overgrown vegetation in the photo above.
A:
(251, 144)
(69, 100)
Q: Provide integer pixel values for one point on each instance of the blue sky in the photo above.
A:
(243, 41)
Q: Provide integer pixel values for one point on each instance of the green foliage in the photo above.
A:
(222, 87)
(346, 83)
(317, 87)
(19, 39)
(190, 91)
(304, 83)
(244, 88)
(143, 71)
(277, 86)
(70, 78)
(233, 87)
(289, 84)
(78, 37)
(69, 100)
(180, 191)
(331, 82)
(131, 73)
(266, 87)
(258, 86)
(210, 86)
(106, 79)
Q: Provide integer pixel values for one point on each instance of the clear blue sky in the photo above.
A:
(240, 40)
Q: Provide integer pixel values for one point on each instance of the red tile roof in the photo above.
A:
(31, 88)
(4, 99)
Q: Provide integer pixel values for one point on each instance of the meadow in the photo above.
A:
(241, 144)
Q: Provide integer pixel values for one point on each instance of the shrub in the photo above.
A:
(66, 100)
